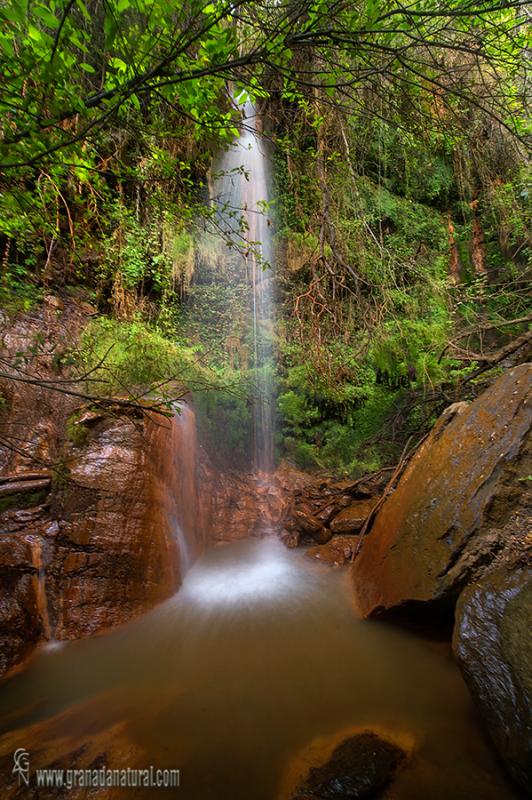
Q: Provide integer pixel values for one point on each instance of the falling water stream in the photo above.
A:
(242, 194)
(258, 656)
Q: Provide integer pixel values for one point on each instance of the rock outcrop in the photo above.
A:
(493, 646)
(337, 552)
(242, 505)
(461, 503)
(352, 518)
(110, 540)
(321, 509)
(20, 623)
(93, 525)
(116, 549)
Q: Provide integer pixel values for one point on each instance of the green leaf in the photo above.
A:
(81, 5)
(46, 15)
(117, 64)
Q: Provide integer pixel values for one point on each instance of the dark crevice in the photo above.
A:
(432, 619)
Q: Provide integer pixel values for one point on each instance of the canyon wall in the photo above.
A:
(99, 507)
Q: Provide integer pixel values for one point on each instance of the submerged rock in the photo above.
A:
(493, 645)
(359, 768)
(451, 512)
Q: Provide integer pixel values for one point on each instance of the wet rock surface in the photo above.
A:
(337, 552)
(462, 504)
(323, 509)
(360, 767)
(352, 518)
(114, 554)
(241, 505)
(20, 625)
(88, 521)
(100, 550)
(493, 646)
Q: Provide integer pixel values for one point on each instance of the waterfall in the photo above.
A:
(178, 509)
(242, 196)
(39, 583)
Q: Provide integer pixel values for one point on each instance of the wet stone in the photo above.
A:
(359, 768)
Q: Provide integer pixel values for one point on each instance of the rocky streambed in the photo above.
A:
(102, 512)
(451, 543)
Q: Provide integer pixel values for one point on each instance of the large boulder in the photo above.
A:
(99, 512)
(493, 646)
(459, 503)
(115, 552)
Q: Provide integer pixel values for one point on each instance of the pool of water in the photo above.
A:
(258, 657)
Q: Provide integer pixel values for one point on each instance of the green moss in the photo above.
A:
(76, 434)
(23, 500)
(133, 357)
(19, 293)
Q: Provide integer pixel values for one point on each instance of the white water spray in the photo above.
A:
(243, 198)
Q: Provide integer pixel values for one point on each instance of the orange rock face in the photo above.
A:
(448, 515)
(123, 531)
(337, 552)
(352, 518)
(242, 505)
(92, 531)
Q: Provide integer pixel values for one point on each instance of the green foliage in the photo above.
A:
(411, 349)
(153, 258)
(358, 363)
(23, 500)
(110, 115)
(334, 429)
(132, 358)
(225, 422)
(17, 294)
(91, 62)
(76, 433)
(297, 411)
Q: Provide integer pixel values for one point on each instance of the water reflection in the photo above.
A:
(259, 654)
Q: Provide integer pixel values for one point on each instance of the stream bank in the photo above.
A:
(92, 545)
(102, 507)
(253, 672)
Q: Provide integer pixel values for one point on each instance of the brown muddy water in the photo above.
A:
(257, 658)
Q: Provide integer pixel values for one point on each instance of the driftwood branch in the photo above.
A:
(101, 401)
(492, 359)
(405, 458)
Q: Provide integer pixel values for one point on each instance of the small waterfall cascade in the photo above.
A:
(39, 582)
(179, 509)
(242, 197)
